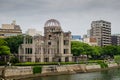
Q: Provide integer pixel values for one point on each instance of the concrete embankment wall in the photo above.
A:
(27, 71)
(17, 71)
(64, 68)
(1, 70)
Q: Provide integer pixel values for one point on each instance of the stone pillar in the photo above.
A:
(24, 54)
(50, 59)
(69, 46)
(60, 44)
(70, 59)
(33, 50)
(42, 55)
(41, 58)
(62, 59)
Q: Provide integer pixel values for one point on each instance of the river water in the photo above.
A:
(112, 74)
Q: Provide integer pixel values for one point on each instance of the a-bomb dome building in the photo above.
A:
(52, 22)
(54, 46)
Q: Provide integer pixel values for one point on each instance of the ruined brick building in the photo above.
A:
(54, 46)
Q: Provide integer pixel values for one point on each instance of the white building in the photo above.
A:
(33, 32)
(91, 41)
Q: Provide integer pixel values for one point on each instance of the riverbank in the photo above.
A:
(19, 72)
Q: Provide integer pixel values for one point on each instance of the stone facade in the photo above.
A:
(18, 71)
(54, 46)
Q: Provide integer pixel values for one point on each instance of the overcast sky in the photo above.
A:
(74, 15)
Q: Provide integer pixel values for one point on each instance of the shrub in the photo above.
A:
(14, 60)
(42, 63)
(35, 63)
(102, 64)
(2, 63)
(37, 69)
(117, 59)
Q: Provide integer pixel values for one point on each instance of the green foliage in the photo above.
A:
(78, 48)
(95, 52)
(37, 69)
(4, 50)
(35, 63)
(14, 60)
(66, 63)
(2, 63)
(43, 63)
(2, 42)
(117, 59)
(14, 42)
(102, 64)
(118, 50)
(109, 50)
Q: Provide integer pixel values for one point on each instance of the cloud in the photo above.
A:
(75, 15)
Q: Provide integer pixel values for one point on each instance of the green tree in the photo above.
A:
(109, 50)
(14, 60)
(78, 48)
(2, 42)
(118, 50)
(88, 50)
(14, 42)
(4, 50)
(97, 51)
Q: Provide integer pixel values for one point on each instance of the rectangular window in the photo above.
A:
(65, 51)
(26, 50)
(66, 42)
(30, 51)
(49, 43)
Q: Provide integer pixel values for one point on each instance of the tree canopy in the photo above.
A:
(78, 48)
(96, 52)
(2, 42)
(4, 49)
(14, 42)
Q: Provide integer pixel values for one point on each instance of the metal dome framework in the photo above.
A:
(52, 23)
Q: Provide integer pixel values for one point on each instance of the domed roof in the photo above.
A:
(52, 22)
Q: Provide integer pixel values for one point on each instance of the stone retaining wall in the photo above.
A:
(112, 65)
(27, 71)
(17, 71)
(1, 70)
(92, 67)
(70, 68)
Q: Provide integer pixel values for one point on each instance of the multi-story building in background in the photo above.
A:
(76, 38)
(33, 32)
(54, 46)
(91, 41)
(10, 30)
(101, 30)
(115, 39)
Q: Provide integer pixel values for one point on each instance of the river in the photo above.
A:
(113, 74)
